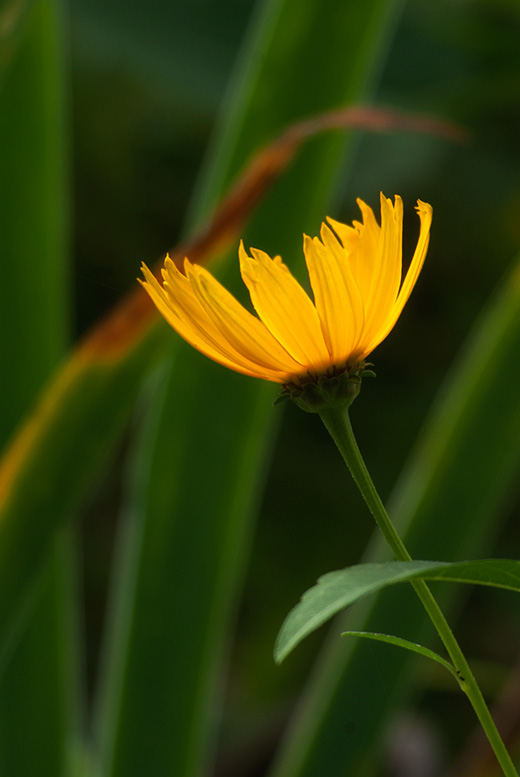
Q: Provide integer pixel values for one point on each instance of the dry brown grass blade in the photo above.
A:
(115, 333)
(110, 345)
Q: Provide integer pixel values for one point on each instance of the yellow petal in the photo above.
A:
(179, 306)
(247, 336)
(337, 296)
(355, 274)
(285, 308)
(361, 243)
(425, 214)
(386, 276)
(179, 311)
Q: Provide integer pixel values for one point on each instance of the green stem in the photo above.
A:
(338, 424)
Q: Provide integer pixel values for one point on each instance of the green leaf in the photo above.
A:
(337, 590)
(404, 643)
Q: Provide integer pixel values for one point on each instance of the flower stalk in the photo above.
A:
(338, 424)
(317, 348)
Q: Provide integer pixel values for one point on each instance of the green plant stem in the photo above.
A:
(338, 424)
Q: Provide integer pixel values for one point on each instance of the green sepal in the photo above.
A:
(336, 389)
(283, 396)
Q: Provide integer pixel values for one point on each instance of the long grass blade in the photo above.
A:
(38, 689)
(199, 470)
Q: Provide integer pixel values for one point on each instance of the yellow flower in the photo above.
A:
(355, 274)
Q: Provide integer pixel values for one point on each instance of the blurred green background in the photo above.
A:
(145, 85)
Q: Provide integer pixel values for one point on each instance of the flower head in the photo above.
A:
(355, 274)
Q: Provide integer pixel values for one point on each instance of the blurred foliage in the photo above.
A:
(147, 82)
(147, 86)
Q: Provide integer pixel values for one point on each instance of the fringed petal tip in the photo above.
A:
(425, 212)
(149, 277)
(169, 263)
(423, 207)
(244, 258)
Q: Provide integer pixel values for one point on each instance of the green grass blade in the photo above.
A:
(351, 53)
(33, 304)
(86, 411)
(13, 15)
(38, 701)
(203, 457)
(452, 472)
